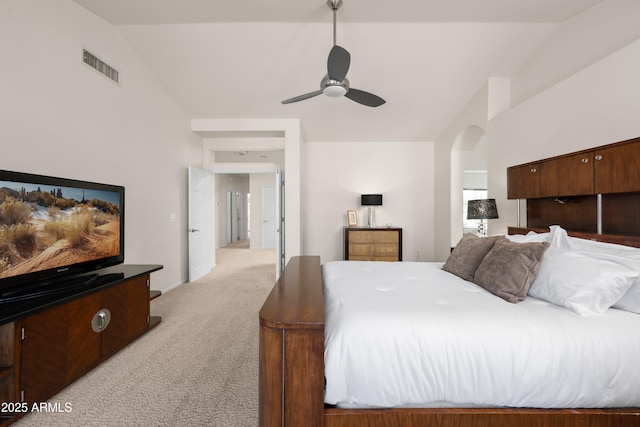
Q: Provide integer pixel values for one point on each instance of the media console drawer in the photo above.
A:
(373, 244)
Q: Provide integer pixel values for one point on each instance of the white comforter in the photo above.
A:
(410, 334)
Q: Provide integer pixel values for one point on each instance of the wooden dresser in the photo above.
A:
(373, 244)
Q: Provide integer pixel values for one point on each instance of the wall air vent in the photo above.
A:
(96, 63)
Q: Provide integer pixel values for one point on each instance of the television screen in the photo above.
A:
(55, 227)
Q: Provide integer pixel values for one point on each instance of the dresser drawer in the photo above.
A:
(383, 252)
(374, 237)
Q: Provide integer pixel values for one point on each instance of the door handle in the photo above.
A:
(101, 320)
(193, 230)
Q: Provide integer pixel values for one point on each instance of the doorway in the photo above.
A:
(254, 140)
(468, 159)
(237, 216)
(246, 208)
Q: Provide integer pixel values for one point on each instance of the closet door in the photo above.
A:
(617, 169)
(523, 182)
(567, 176)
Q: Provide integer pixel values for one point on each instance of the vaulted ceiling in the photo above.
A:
(426, 58)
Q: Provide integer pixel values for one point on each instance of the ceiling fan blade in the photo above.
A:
(338, 63)
(364, 98)
(302, 97)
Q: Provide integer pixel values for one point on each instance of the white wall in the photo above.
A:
(337, 173)
(59, 117)
(578, 43)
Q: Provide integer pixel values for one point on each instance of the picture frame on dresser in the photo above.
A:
(352, 218)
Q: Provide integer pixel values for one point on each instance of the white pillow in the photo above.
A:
(588, 286)
(560, 238)
(619, 254)
(631, 300)
(531, 236)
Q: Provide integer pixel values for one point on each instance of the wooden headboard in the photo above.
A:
(593, 194)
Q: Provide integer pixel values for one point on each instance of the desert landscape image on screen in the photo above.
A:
(44, 227)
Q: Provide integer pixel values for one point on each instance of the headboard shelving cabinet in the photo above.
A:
(584, 190)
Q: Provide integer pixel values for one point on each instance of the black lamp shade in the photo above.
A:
(371, 200)
(482, 209)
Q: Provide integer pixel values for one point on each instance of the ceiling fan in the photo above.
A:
(334, 83)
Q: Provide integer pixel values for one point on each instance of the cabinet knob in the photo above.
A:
(585, 160)
(598, 157)
(534, 170)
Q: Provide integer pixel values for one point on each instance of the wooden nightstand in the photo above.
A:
(373, 244)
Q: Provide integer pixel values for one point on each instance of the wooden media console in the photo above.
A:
(49, 342)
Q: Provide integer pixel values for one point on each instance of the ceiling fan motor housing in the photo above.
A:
(334, 4)
(334, 88)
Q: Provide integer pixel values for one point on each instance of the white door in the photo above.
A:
(229, 214)
(235, 230)
(200, 219)
(280, 257)
(268, 217)
(240, 209)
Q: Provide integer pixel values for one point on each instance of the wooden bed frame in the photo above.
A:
(292, 317)
(292, 372)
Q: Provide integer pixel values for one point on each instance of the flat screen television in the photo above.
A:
(55, 229)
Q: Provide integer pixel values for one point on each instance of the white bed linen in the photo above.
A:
(410, 334)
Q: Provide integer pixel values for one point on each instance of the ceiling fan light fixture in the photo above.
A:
(334, 91)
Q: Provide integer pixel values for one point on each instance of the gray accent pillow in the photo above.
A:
(509, 268)
(468, 254)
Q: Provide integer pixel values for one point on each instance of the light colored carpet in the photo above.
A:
(199, 367)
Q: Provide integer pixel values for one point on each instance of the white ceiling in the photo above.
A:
(426, 58)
